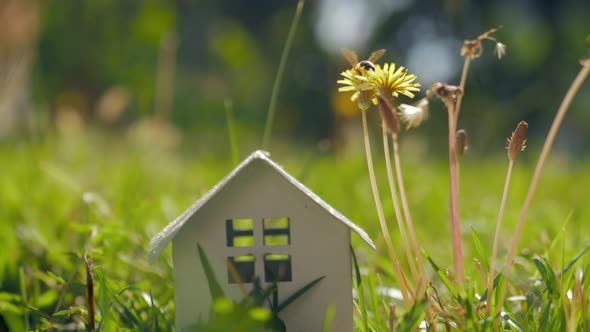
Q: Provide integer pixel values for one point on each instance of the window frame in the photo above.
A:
(246, 270)
(272, 266)
(231, 233)
(269, 232)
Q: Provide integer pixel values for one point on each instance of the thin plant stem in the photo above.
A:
(391, 316)
(579, 300)
(24, 297)
(65, 288)
(231, 131)
(582, 305)
(561, 112)
(490, 282)
(384, 229)
(407, 214)
(278, 79)
(396, 207)
(462, 86)
(454, 197)
(564, 304)
(166, 71)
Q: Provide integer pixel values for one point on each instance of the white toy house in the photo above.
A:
(270, 226)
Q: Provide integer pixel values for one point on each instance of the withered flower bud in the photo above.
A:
(517, 142)
(474, 48)
(388, 114)
(471, 48)
(461, 142)
(447, 93)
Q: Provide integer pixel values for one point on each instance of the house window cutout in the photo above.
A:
(276, 231)
(239, 232)
(240, 269)
(277, 268)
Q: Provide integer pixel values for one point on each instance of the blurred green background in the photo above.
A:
(113, 63)
(112, 122)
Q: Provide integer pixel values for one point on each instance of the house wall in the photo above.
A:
(320, 246)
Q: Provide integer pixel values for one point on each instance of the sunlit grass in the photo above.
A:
(47, 225)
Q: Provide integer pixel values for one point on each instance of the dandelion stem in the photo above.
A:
(406, 208)
(454, 197)
(396, 207)
(490, 282)
(462, 86)
(565, 104)
(278, 79)
(384, 229)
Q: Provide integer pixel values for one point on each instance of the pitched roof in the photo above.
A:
(161, 240)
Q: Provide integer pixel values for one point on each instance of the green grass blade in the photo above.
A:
(364, 327)
(573, 261)
(441, 274)
(497, 280)
(481, 255)
(153, 312)
(298, 294)
(126, 314)
(214, 287)
(411, 319)
(104, 302)
(545, 314)
(561, 234)
(23, 294)
(231, 131)
(373, 300)
(514, 324)
(547, 274)
(277, 84)
(329, 318)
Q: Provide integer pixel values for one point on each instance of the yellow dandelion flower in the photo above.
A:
(356, 80)
(391, 81)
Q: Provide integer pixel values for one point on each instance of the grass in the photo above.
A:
(48, 226)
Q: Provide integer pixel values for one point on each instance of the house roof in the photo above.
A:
(161, 240)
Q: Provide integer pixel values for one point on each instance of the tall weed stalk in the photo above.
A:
(561, 112)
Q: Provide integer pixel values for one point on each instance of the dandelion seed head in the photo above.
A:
(500, 50)
(413, 115)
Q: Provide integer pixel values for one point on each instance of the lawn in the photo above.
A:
(103, 195)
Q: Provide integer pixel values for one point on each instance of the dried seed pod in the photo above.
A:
(517, 142)
(447, 93)
(461, 142)
(474, 48)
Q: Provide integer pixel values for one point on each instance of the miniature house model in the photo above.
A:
(268, 226)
